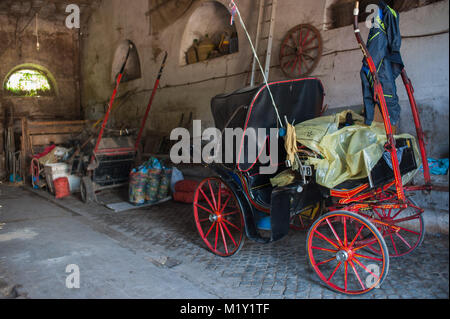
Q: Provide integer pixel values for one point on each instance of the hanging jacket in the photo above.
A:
(384, 45)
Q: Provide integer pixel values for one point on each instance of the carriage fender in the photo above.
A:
(249, 219)
(286, 202)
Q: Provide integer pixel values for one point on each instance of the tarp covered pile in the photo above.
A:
(342, 153)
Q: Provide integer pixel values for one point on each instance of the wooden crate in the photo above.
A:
(36, 135)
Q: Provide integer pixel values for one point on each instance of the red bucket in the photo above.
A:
(62, 187)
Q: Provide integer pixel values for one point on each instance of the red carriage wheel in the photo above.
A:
(300, 51)
(335, 245)
(407, 231)
(218, 217)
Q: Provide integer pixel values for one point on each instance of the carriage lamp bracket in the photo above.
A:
(288, 164)
(307, 171)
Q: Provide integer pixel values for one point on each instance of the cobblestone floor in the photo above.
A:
(277, 270)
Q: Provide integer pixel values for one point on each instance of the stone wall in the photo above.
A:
(186, 88)
(58, 54)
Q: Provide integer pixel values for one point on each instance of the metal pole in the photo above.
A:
(258, 35)
(155, 88)
(259, 64)
(111, 102)
(270, 40)
(419, 129)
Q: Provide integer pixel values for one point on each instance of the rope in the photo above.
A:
(290, 140)
(234, 11)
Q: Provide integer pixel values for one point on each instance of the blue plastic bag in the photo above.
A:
(438, 167)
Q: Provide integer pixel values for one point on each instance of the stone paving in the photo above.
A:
(277, 270)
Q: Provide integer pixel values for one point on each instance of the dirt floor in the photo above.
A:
(156, 252)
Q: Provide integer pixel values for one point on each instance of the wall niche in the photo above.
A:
(208, 34)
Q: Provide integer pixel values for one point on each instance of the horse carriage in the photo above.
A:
(353, 228)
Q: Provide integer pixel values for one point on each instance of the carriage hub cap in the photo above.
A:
(214, 218)
(342, 255)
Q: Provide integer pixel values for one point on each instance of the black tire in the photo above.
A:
(422, 223)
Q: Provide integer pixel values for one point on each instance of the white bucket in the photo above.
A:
(55, 171)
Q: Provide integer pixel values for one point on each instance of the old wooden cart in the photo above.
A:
(108, 161)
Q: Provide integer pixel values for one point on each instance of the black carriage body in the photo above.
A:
(251, 108)
(382, 173)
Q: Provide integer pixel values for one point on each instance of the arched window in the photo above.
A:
(30, 82)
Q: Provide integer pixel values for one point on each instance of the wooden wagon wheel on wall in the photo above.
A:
(301, 51)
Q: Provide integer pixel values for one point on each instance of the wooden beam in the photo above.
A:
(44, 140)
(72, 129)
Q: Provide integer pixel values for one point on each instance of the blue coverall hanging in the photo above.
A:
(384, 45)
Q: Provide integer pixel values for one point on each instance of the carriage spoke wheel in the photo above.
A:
(335, 245)
(301, 51)
(218, 217)
(404, 231)
(304, 220)
(300, 223)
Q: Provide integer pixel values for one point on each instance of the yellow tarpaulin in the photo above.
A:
(344, 154)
